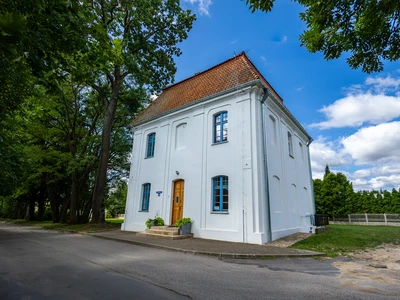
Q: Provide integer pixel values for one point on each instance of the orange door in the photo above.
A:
(177, 206)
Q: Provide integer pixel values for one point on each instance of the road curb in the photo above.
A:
(208, 253)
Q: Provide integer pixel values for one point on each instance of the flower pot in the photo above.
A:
(152, 223)
(186, 229)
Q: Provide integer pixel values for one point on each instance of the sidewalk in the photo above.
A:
(205, 247)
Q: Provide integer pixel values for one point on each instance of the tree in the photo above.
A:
(131, 46)
(327, 171)
(116, 200)
(368, 29)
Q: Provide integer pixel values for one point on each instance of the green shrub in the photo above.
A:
(183, 221)
(159, 221)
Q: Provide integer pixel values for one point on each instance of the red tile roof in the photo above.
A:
(226, 75)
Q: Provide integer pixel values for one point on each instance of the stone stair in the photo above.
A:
(164, 232)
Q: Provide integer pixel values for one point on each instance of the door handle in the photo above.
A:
(176, 200)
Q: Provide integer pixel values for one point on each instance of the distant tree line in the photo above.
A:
(334, 196)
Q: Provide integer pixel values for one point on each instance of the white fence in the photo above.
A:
(368, 219)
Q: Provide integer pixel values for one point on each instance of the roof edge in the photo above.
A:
(288, 113)
(243, 85)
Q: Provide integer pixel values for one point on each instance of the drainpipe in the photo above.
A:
(310, 140)
(264, 146)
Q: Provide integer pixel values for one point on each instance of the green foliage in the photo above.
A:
(73, 76)
(368, 30)
(334, 196)
(115, 203)
(148, 223)
(342, 239)
(158, 221)
(183, 221)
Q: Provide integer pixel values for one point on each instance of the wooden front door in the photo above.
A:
(177, 205)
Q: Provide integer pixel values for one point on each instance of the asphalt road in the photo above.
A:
(40, 264)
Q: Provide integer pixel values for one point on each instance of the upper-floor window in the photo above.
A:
(220, 193)
(221, 127)
(290, 143)
(146, 196)
(151, 142)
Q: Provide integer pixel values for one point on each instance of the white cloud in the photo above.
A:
(374, 102)
(234, 41)
(299, 89)
(263, 58)
(355, 110)
(377, 183)
(374, 144)
(203, 6)
(376, 148)
(383, 83)
(283, 39)
(324, 153)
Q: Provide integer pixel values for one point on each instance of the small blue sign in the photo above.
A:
(158, 193)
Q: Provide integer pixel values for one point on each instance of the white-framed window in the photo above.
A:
(220, 194)
(145, 196)
(221, 127)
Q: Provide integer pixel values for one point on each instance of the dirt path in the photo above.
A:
(375, 271)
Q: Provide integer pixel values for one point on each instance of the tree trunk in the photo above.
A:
(51, 193)
(98, 194)
(31, 208)
(64, 209)
(40, 207)
(74, 199)
(84, 218)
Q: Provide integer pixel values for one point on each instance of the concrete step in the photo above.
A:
(162, 232)
(164, 228)
(163, 236)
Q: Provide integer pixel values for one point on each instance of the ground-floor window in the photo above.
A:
(146, 196)
(220, 193)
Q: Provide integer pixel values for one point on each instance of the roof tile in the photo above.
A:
(226, 75)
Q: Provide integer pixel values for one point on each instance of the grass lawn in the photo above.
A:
(111, 224)
(115, 221)
(342, 239)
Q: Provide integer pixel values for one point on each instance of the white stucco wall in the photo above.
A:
(184, 144)
(289, 175)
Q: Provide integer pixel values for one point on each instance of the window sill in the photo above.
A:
(148, 157)
(218, 143)
(143, 211)
(220, 212)
(291, 156)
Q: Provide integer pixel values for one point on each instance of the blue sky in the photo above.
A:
(353, 117)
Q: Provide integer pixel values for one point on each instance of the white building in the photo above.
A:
(251, 183)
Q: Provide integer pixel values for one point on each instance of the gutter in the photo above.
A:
(265, 159)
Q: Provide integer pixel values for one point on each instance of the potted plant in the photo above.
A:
(185, 226)
(149, 223)
(158, 221)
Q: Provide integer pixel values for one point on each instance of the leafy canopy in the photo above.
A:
(367, 29)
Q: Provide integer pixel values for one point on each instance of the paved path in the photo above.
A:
(42, 264)
(206, 247)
